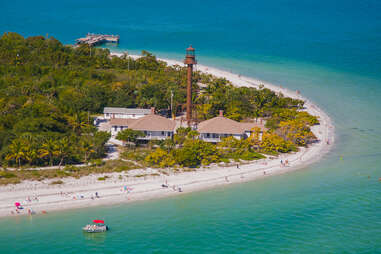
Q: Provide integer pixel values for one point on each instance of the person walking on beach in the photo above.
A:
(237, 166)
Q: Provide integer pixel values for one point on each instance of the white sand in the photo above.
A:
(112, 191)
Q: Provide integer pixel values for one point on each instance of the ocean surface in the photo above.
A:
(329, 50)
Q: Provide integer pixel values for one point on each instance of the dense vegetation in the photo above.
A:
(49, 91)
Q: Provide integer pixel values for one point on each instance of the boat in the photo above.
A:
(98, 226)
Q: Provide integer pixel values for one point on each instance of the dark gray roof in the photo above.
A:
(130, 111)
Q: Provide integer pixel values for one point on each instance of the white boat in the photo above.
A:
(98, 226)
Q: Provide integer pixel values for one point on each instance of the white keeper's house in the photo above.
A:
(125, 113)
(153, 126)
(214, 129)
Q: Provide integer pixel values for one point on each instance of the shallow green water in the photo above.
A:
(331, 51)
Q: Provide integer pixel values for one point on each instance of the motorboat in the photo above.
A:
(97, 226)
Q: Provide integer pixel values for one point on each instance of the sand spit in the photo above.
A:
(123, 188)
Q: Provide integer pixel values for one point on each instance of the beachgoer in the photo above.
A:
(264, 172)
(281, 163)
(237, 165)
(226, 179)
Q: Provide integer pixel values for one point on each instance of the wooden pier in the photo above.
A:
(97, 39)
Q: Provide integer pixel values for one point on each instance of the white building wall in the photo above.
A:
(157, 135)
(116, 129)
(215, 138)
(123, 116)
(150, 135)
(248, 134)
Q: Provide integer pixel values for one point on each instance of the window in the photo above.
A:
(207, 135)
(169, 134)
(162, 133)
(115, 128)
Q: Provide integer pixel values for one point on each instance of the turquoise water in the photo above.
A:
(330, 50)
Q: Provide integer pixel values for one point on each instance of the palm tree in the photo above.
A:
(31, 151)
(49, 148)
(63, 149)
(77, 121)
(16, 151)
(87, 147)
(31, 154)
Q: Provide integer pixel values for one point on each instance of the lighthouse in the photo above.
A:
(190, 60)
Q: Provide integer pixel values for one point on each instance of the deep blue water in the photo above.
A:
(330, 50)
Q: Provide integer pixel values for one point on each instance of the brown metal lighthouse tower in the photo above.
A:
(190, 60)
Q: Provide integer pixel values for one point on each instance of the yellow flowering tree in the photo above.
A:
(160, 158)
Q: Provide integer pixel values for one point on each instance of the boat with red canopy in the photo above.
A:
(97, 227)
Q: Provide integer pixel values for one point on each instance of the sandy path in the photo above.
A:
(112, 190)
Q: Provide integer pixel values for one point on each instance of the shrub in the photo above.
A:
(249, 156)
(103, 178)
(97, 162)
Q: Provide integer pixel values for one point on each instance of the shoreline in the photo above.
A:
(112, 191)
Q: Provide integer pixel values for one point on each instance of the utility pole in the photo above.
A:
(128, 61)
(173, 116)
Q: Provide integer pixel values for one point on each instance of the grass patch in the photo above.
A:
(7, 175)
(18, 176)
(138, 154)
(56, 182)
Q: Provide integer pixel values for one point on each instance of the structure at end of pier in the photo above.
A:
(97, 39)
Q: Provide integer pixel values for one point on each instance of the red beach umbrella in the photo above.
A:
(17, 204)
(99, 221)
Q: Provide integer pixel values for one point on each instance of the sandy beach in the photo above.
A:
(124, 187)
